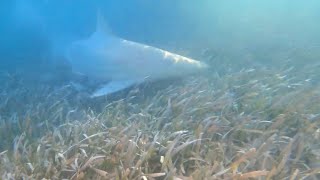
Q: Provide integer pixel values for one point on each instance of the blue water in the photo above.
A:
(29, 28)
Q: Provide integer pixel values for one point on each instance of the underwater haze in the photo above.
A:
(32, 29)
(160, 89)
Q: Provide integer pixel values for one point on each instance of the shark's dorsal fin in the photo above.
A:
(102, 26)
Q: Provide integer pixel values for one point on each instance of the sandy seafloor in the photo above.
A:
(238, 121)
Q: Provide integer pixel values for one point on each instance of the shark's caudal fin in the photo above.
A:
(114, 86)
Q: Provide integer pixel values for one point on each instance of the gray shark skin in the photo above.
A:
(105, 56)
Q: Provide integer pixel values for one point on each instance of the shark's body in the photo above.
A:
(107, 57)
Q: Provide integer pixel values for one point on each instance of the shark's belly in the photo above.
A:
(122, 60)
(140, 61)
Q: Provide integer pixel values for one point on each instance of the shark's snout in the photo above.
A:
(202, 65)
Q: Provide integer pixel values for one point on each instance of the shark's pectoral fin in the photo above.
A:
(114, 86)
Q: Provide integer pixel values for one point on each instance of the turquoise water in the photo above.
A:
(30, 28)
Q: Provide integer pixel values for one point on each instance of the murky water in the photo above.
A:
(190, 90)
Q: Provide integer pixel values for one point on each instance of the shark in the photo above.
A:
(124, 63)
